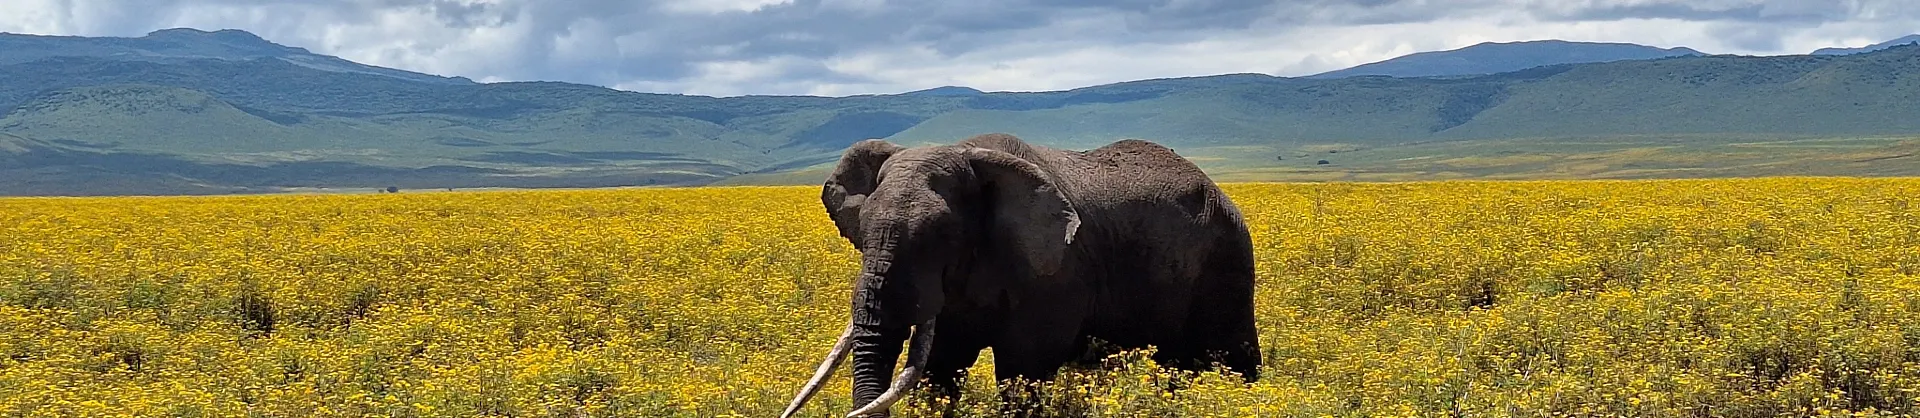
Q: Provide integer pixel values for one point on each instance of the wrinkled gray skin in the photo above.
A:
(1031, 250)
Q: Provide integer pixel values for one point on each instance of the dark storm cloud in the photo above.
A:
(1696, 12)
(471, 15)
(1200, 15)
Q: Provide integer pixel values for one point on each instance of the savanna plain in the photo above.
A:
(1738, 297)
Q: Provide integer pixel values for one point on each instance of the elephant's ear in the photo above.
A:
(1027, 206)
(851, 182)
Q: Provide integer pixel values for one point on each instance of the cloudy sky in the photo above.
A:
(841, 47)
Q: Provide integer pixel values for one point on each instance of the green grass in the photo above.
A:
(1572, 158)
(1529, 158)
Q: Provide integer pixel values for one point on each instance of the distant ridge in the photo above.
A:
(1500, 57)
(177, 44)
(1904, 40)
(947, 91)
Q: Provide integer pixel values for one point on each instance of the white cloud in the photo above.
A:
(841, 47)
(1297, 51)
(36, 17)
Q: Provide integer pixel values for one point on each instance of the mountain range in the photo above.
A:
(185, 111)
(1904, 40)
(184, 45)
(1500, 57)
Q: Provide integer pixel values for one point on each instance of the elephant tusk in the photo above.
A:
(825, 371)
(917, 350)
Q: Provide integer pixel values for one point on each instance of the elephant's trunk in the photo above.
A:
(876, 337)
(820, 375)
(917, 351)
(887, 305)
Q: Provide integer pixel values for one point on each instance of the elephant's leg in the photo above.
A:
(954, 351)
(1035, 345)
(946, 366)
(1036, 342)
(1221, 324)
(1229, 339)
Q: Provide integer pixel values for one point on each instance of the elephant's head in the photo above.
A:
(919, 216)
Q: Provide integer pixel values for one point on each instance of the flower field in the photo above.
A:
(1752, 297)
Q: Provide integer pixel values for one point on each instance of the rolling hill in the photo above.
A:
(1500, 57)
(1904, 40)
(213, 120)
(185, 44)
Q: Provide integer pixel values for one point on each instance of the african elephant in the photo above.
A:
(1031, 251)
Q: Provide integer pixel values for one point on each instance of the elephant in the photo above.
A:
(1033, 251)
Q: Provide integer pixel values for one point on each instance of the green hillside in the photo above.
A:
(237, 124)
(1500, 57)
(1793, 95)
(1789, 96)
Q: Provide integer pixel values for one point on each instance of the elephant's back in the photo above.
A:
(1130, 187)
(1144, 200)
(1156, 222)
(1136, 159)
(1142, 179)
